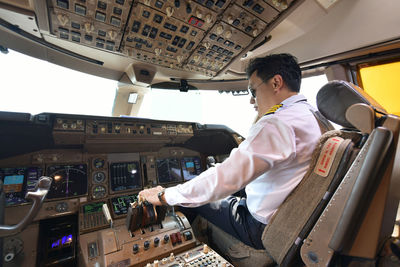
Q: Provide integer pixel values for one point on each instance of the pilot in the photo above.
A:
(268, 165)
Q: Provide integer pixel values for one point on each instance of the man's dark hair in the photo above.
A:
(283, 64)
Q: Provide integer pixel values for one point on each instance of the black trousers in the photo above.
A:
(232, 216)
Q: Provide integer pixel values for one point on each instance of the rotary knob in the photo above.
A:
(166, 238)
(205, 249)
(156, 241)
(255, 32)
(169, 11)
(135, 248)
(146, 245)
(89, 27)
(230, 19)
(112, 35)
(208, 18)
(228, 34)
(199, 14)
(158, 51)
(220, 29)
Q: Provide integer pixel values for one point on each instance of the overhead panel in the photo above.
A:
(201, 36)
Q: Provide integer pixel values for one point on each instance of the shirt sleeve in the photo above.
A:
(270, 142)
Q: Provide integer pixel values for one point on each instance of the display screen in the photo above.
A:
(168, 170)
(93, 208)
(125, 176)
(68, 180)
(191, 167)
(18, 181)
(61, 242)
(120, 205)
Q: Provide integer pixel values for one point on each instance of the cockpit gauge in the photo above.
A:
(98, 163)
(99, 191)
(68, 180)
(99, 177)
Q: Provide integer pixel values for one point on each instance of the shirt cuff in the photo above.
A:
(168, 193)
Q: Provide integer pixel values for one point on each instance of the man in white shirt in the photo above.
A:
(269, 164)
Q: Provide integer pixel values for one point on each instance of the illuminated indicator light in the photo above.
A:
(196, 22)
(57, 177)
(55, 244)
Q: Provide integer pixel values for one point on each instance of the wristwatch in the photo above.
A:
(161, 197)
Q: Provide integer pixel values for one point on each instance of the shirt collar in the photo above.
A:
(293, 99)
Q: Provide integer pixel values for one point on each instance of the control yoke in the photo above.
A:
(42, 188)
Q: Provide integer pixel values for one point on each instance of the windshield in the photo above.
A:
(34, 86)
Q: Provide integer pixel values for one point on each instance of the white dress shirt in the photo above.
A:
(270, 163)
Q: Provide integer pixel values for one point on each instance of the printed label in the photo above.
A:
(327, 156)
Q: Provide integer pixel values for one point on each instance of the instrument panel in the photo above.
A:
(68, 180)
(200, 36)
(113, 176)
(18, 181)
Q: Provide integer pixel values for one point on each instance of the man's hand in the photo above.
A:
(151, 195)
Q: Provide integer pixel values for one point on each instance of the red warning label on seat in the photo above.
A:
(327, 156)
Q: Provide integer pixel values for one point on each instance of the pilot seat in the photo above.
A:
(344, 210)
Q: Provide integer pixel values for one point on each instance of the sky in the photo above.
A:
(34, 86)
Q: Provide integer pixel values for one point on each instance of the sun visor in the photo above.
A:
(334, 98)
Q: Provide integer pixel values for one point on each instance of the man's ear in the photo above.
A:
(277, 82)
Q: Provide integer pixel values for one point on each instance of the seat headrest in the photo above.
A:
(334, 98)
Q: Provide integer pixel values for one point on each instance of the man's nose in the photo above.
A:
(252, 100)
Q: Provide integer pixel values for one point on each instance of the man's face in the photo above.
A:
(253, 102)
(260, 91)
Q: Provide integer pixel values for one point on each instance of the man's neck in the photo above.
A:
(278, 99)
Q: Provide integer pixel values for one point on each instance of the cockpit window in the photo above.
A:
(33, 86)
(206, 107)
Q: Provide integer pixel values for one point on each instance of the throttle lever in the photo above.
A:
(37, 196)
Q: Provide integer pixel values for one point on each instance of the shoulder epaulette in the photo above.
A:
(273, 109)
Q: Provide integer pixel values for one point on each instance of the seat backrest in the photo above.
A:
(295, 218)
(285, 232)
(361, 214)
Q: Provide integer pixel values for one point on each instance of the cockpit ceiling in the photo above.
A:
(201, 36)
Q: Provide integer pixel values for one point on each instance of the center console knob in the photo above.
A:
(166, 238)
(135, 248)
(205, 249)
(156, 241)
(146, 245)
